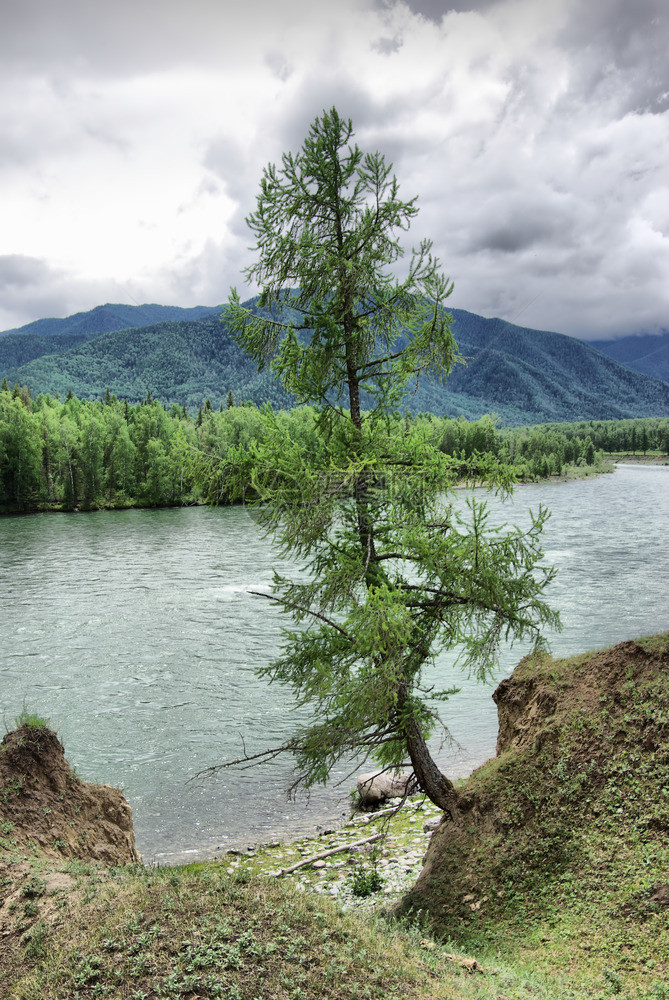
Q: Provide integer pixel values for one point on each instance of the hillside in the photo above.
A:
(563, 835)
(183, 362)
(525, 376)
(532, 372)
(648, 354)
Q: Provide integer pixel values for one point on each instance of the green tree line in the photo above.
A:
(93, 454)
(611, 437)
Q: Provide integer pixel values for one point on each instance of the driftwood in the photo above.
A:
(379, 813)
(326, 854)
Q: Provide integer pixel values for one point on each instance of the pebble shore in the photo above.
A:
(397, 857)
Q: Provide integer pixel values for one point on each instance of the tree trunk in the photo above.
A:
(436, 785)
(432, 782)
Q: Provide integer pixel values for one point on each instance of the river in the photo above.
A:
(134, 633)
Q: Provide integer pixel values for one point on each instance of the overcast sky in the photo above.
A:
(535, 133)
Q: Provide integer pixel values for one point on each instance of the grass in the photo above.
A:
(30, 719)
(196, 932)
(137, 933)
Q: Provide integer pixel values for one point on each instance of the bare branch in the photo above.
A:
(306, 611)
(327, 854)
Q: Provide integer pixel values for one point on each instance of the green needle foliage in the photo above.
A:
(394, 572)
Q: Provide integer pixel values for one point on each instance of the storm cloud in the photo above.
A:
(133, 138)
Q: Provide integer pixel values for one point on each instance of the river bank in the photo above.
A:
(550, 883)
(570, 472)
(631, 459)
(390, 860)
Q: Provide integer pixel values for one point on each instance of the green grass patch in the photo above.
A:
(30, 719)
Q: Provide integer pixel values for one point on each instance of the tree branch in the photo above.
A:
(306, 611)
(327, 854)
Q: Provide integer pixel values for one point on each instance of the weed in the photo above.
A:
(613, 980)
(87, 970)
(34, 942)
(366, 878)
(34, 887)
(30, 719)
(15, 787)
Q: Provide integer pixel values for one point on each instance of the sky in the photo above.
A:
(535, 135)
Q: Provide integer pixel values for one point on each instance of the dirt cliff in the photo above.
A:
(46, 809)
(573, 810)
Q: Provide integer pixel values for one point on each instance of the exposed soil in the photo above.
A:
(47, 813)
(46, 808)
(534, 702)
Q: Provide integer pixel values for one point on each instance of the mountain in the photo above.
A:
(546, 376)
(55, 336)
(647, 353)
(523, 375)
(109, 317)
(181, 362)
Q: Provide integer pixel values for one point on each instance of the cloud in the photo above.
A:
(534, 135)
(31, 288)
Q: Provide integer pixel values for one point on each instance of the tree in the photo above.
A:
(644, 438)
(20, 452)
(396, 573)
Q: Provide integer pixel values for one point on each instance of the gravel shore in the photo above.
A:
(396, 857)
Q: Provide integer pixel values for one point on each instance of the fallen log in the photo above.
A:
(327, 854)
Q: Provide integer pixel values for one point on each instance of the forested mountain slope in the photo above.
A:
(111, 316)
(183, 362)
(536, 372)
(525, 376)
(648, 354)
(56, 336)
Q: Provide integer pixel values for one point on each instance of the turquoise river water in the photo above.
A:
(134, 633)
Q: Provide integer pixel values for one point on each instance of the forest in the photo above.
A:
(107, 453)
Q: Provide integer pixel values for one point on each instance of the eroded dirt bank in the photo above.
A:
(48, 814)
(46, 808)
(571, 818)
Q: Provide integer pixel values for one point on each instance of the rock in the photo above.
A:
(469, 964)
(379, 786)
(432, 824)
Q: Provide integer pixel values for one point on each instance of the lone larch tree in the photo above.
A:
(395, 571)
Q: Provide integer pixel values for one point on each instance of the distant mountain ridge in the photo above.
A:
(111, 316)
(646, 353)
(187, 355)
(34, 340)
